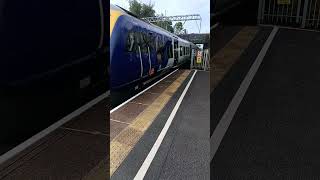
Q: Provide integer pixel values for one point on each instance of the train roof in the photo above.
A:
(117, 8)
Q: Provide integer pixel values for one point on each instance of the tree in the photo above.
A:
(165, 25)
(142, 10)
(178, 28)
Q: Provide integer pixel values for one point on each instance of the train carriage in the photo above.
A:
(140, 50)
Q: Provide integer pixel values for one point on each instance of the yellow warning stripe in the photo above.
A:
(124, 142)
(227, 56)
(114, 15)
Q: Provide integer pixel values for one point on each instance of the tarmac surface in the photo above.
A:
(184, 151)
(274, 132)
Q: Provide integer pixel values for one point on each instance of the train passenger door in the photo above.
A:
(170, 53)
(144, 53)
(152, 52)
(131, 61)
(160, 49)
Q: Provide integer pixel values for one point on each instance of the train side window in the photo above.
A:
(180, 51)
(130, 41)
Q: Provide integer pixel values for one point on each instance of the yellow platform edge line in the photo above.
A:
(223, 60)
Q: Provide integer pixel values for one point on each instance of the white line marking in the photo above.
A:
(290, 28)
(116, 108)
(16, 150)
(119, 121)
(147, 162)
(227, 117)
(214, 26)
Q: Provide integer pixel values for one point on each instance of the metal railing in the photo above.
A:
(202, 63)
(295, 13)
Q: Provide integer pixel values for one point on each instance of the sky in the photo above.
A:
(179, 7)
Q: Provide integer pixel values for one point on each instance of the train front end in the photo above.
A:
(124, 69)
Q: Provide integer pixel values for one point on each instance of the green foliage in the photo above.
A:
(178, 28)
(140, 9)
(165, 25)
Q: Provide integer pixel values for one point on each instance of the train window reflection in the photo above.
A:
(130, 42)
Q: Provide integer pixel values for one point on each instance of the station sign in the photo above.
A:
(199, 57)
(284, 2)
(199, 54)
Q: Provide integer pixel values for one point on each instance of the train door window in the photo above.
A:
(143, 43)
(130, 41)
(161, 42)
(151, 41)
(156, 43)
(176, 48)
(180, 51)
(170, 50)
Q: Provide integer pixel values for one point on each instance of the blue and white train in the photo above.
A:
(140, 50)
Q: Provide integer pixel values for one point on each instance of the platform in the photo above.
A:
(266, 109)
(75, 150)
(179, 103)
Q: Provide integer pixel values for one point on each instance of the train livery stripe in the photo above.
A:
(114, 15)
